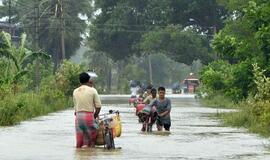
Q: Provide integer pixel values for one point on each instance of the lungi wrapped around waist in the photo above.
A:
(86, 131)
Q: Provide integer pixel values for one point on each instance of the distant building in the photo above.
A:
(190, 84)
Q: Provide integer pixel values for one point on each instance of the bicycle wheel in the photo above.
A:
(149, 125)
(109, 141)
(149, 128)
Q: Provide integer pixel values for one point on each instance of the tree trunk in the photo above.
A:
(37, 74)
(150, 68)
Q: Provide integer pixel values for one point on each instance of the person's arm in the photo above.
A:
(163, 113)
(152, 103)
(146, 100)
(97, 104)
(168, 109)
(97, 110)
(74, 102)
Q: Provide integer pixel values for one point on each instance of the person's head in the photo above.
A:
(85, 79)
(148, 89)
(154, 92)
(161, 92)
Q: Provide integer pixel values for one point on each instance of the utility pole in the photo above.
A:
(62, 23)
(109, 75)
(37, 73)
(9, 16)
(214, 33)
(9, 11)
(150, 68)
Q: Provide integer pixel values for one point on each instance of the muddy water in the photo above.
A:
(194, 135)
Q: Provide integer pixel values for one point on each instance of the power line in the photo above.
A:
(98, 29)
(25, 5)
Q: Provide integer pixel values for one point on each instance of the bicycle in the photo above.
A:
(107, 129)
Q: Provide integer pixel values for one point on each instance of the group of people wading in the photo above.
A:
(152, 108)
(87, 107)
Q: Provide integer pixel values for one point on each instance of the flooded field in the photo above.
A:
(194, 135)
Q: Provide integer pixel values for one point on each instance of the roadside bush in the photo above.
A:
(23, 106)
(215, 77)
(67, 77)
(255, 116)
(27, 104)
(235, 81)
(218, 101)
(254, 112)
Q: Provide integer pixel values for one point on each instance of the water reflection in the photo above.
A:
(94, 153)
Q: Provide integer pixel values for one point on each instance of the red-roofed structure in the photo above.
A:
(191, 83)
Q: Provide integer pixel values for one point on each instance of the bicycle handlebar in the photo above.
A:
(109, 115)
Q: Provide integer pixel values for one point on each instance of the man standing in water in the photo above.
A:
(87, 106)
(163, 106)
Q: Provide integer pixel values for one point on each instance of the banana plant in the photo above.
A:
(17, 58)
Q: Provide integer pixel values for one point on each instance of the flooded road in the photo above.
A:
(194, 135)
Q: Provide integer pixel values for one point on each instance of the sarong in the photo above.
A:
(86, 132)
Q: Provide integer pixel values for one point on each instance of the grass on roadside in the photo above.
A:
(23, 106)
(253, 116)
(217, 101)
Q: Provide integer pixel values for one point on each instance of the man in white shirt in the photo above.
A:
(87, 106)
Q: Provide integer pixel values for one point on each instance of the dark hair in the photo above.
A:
(84, 77)
(153, 90)
(149, 87)
(161, 89)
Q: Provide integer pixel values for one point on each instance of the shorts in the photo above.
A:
(166, 124)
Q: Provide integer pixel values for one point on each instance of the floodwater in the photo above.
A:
(195, 135)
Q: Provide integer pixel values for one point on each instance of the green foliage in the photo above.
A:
(183, 46)
(24, 12)
(254, 116)
(15, 59)
(21, 105)
(123, 26)
(246, 36)
(6, 90)
(233, 81)
(165, 71)
(263, 84)
(243, 41)
(134, 72)
(217, 101)
(254, 113)
(130, 72)
(226, 45)
(102, 65)
(67, 77)
(216, 76)
(258, 16)
(18, 101)
(28, 105)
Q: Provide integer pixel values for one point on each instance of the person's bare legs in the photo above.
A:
(159, 127)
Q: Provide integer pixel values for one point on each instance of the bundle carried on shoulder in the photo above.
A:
(146, 109)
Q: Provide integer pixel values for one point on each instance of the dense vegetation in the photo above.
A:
(175, 33)
(242, 72)
(20, 98)
(51, 25)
